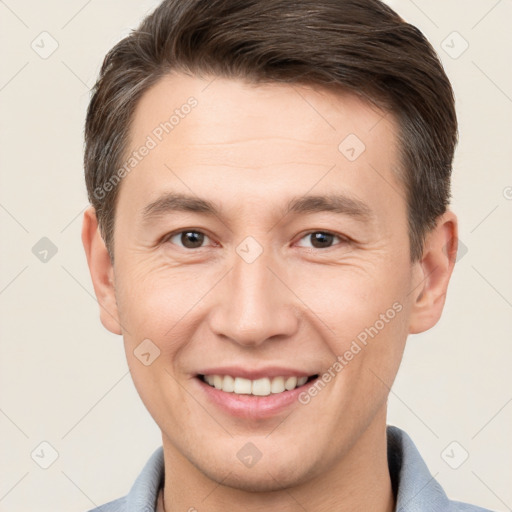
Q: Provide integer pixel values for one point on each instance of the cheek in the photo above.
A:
(362, 316)
(153, 299)
(350, 298)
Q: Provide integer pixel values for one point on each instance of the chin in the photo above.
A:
(269, 474)
(266, 479)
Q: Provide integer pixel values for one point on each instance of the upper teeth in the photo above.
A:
(260, 387)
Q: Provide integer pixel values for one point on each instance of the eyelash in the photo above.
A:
(343, 239)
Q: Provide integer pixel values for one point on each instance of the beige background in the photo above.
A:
(64, 379)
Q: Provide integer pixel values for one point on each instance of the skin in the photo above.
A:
(250, 149)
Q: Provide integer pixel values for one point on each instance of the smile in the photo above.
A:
(258, 387)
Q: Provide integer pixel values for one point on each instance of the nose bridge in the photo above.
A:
(255, 304)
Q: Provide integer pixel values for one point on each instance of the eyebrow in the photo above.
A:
(336, 203)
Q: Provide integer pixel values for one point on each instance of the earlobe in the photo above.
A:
(433, 274)
(101, 270)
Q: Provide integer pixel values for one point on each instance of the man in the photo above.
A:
(270, 182)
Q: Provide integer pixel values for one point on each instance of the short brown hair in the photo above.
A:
(361, 46)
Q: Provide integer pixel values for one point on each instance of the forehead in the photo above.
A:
(220, 132)
(306, 115)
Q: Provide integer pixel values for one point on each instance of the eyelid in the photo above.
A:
(168, 236)
(343, 238)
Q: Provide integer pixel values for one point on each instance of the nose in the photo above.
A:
(254, 303)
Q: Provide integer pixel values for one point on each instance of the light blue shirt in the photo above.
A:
(417, 490)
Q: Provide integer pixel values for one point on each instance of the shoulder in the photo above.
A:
(118, 505)
(415, 487)
(144, 492)
(459, 506)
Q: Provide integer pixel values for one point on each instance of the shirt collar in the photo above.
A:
(415, 488)
(144, 492)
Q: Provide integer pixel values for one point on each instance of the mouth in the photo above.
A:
(256, 399)
(264, 386)
(251, 393)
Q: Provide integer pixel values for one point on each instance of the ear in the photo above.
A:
(102, 271)
(432, 274)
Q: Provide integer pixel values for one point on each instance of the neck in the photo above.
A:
(359, 482)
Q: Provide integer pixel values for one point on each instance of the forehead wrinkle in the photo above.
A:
(254, 154)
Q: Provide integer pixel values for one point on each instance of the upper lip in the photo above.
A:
(253, 374)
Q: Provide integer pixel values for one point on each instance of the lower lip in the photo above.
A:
(251, 406)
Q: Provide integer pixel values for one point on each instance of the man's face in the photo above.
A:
(260, 290)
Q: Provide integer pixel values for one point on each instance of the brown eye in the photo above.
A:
(322, 239)
(188, 239)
